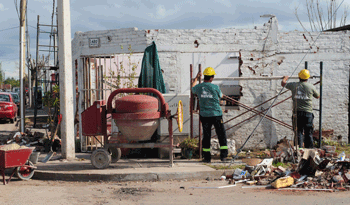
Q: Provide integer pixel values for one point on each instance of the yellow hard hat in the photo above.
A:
(304, 74)
(209, 71)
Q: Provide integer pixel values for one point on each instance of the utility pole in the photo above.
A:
(29, 63)
(22, 59)
(54, 47)
(66, 80)
(36, 74)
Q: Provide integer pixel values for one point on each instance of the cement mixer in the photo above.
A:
(137, 118)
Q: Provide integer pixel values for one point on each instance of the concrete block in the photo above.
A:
(283, 182)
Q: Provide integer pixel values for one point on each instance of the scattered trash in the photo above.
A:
(251, 182)
(36, 140)
(251, 161)
(283, 182)
(342, 156)
(289, 168)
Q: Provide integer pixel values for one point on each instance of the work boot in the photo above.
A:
(223, 155)
(206, 157)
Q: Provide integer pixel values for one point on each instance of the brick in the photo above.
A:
(333, 48)
(283, 182)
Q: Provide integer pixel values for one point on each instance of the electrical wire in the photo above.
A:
(9, 28)
(268, 110)
(16, 6)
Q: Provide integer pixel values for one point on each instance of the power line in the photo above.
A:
(16, 6)
(9, 28)
(36, 28)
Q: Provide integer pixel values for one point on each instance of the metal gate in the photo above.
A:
(98, 76)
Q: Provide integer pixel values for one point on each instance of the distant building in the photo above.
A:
(5, 87)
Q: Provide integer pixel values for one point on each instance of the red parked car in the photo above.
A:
(8, 108)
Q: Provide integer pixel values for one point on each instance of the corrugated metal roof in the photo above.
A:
(342, 28)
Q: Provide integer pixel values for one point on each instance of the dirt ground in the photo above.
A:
(166, 192)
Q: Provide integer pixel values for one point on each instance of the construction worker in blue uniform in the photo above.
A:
(209, 96)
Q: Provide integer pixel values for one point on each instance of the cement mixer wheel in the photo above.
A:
(116, 153)
(100, 158)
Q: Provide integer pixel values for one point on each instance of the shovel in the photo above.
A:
(50, 154)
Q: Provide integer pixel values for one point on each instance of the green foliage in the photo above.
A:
(12, 81)
(1, 74)
(51, 99)
(340, 146)
(189, 143)
(56, 93)
(330, 142)
(122, 78)
(47, 99)
(284, 165)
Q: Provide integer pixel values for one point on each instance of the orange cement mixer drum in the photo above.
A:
(136, 104)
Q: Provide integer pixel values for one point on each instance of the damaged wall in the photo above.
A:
(264, 52)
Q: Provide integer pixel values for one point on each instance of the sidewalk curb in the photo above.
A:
(163, 176)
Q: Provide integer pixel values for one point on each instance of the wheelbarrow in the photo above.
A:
(17, 159)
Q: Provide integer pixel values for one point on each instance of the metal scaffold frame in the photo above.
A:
(253, 109)
(43, 67)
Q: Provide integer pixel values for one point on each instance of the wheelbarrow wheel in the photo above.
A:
(100, 158)
(24, 172)
(116, 153)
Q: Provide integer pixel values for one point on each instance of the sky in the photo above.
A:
(88, 15)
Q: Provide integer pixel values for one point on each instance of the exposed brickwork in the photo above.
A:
(260, 56)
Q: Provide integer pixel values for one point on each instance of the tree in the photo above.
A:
(12, 81)
(2, 76)
(320, 20)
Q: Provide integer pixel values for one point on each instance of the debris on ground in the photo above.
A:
(31, 139)
(283, 182)
(11, 147)
(318, 169)
(283, 151)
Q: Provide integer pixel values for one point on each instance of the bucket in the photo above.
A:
(34, 157)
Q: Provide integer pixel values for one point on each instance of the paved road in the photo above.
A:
(165, 192)
(6, 128)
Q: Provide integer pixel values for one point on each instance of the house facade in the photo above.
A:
(257, 56)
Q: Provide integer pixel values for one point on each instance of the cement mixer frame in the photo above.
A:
(94, 123)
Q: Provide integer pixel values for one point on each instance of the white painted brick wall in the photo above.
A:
(331, 47)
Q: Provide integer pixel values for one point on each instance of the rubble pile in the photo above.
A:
(23, 138)
(316, 169)
(29, 139)
(11, 147)
(283, 151)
